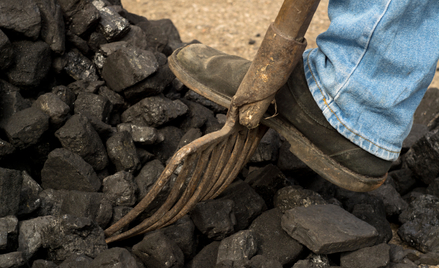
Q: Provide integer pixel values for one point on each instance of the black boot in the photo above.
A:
(217, 76)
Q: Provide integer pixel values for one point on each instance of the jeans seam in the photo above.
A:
(338, 119)
(364, 51)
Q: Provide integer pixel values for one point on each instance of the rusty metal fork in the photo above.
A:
(208, 166)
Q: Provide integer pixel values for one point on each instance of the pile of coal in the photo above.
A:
(90, 113)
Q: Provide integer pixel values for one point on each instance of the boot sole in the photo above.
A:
(306, 151)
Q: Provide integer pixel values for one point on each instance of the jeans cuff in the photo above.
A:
(333, 114)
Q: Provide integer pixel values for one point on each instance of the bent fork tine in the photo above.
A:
(182, 154)
(189, 198)
(164, 208)
(250, 145)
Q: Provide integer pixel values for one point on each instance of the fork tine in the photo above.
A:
(222, 162)
(251, 143)
(175, 191)
(232, 159)
(237, 165)
(189, 189)
(188, 198)
(200, 191)
(200, 164)
(155, 190)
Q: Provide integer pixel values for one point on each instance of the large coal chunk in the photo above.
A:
(79, 136)
(120, 189)
(26, 127)
(52, 22)
(422, 157)
(114, 257)
(22, 17)
(67, 170)
(111, 24)
(11, 101)
(10, 187)
(421, 223)
(368, 257)
(71, 235)
(273, 242)
(122, 152)
(6, 50)
(326, 229)
(54, 107)
(215, 218)
(238, 247)
(154, 111)
(128, 66)
(93, 104)
(248, 204)
(32, 63)
(8, 233)
(156, 250)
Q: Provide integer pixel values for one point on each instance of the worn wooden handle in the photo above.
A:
(276, 58)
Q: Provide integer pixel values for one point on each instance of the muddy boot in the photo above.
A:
(217, 76)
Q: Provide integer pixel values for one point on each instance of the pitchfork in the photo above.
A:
(209, 164)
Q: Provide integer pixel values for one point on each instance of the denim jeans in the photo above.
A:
(372, 68)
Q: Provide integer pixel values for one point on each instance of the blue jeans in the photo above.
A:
(372, 68)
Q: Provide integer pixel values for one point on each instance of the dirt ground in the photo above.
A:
(227, 25)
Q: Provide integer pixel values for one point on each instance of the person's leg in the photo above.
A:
(366, 78)
(372, 68)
